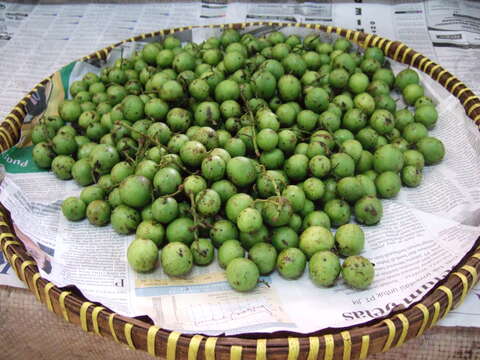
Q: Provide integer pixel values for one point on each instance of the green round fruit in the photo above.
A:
(411, 176)
(358, 272)
(338, 211)
(432, 150)
(368, 210)
(142, 255)
(149, 229)
(249, 220)
(165, 209)
(177, 259)
(43, 155)
(203, 252)
(62, 166)
(208, 202)
(242, 274)
(74, 209)
(264, 256)
(136, 191)
(181, 230)
(291, 263)
(241, 171)
(324, 268)
(349, 239)
(229, 250)
(388, 158)
(223, 230)
(388, 184)
(125, 219)
(316, 238)
(98, 213)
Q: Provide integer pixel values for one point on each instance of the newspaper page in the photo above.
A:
(71, 28)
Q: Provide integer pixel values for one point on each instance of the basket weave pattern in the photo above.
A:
(355, 343)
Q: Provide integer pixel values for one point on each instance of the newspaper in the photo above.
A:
(421, 221)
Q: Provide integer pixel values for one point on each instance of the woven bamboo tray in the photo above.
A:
(352, 343)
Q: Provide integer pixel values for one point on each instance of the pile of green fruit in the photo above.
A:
(244, 144)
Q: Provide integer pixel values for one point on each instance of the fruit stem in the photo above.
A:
(131, 128)
(179, 190)
(165, 163)
(194, 214)
(261, 281)
(254, 131)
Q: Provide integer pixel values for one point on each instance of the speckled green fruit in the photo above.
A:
(82, 172)
(241, 171)
(142, 255)
(296, 167)
(149, 229)
(284, 237)
(213, 167)
(277, 211)
(324, 268)
(432, 150)
(62, 166)
(382, 121)
(229, 250)
(319, 166)
(125, 219)
(98, 212)
(316, 218)
(249, 239)
(223, 230)
(388, 158)
(242, 274)
(70, 110)
(103, 157)
(192, 153)
(165, 209)
(177, 259)
(368, 210)
(291, 263)
(114, 198)
(316, 238)
(388, 184)
(426, 115)
(349, 239)
(313, 188)
(167, 180)
(181, 230)
(406, 77)
(412, 93)
(73, 208)
(414, 158)
(338, 211)
(296, 196)
(203, 252)
(264, 256)
(41, 133)
(208, 202)
(43, 155)
(358, 272)
(350, 189)
(367, 184)
(136, 191)
(342, 165)
(146, 168)
(194, 184)
(91, 193)
(411, 176)
(236, 204)
(249, 220)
